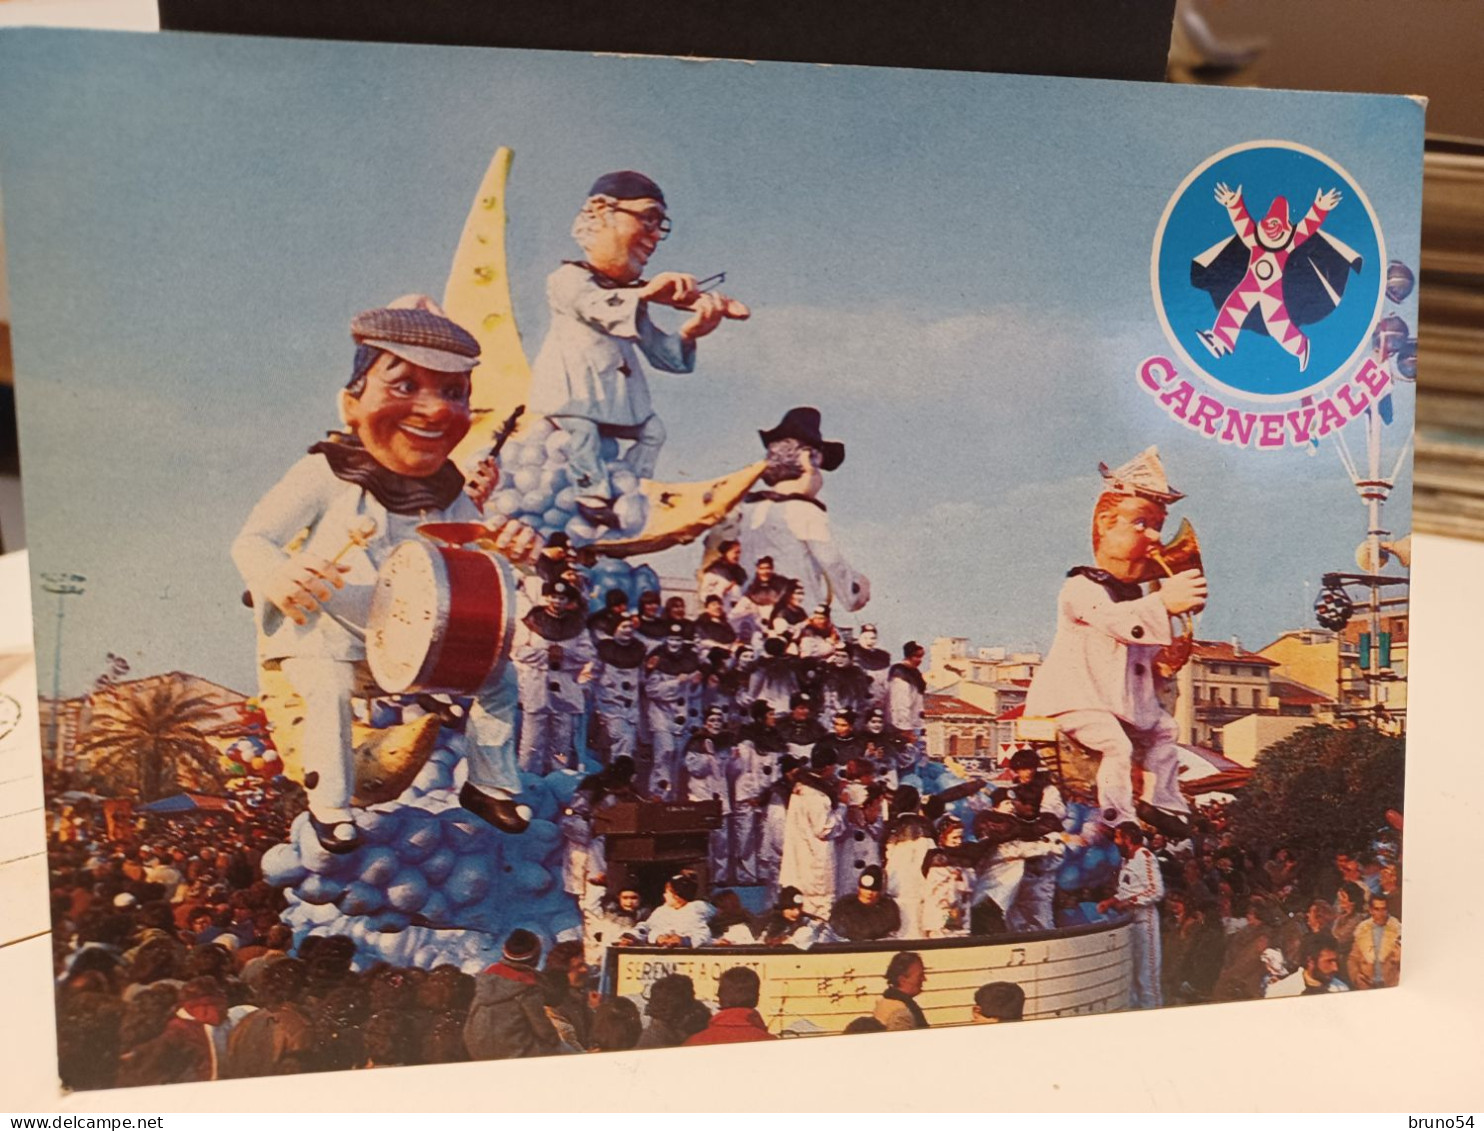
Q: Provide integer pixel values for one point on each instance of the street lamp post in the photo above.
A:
(64, 585)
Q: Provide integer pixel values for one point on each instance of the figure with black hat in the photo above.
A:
(908, 837)
(947, 884)
(588, 376)
(874, 661)
(755, 763)
(906, 696)
(672, 694)
(868, 914)
(815, 821)
(754, 608)
(620, 685)
(555, 659)
(774, 679)
(885, 749)
(713, 630)
(1098, 679)
(346, 506)
(603, 623)
(723, 575)
(708, 756)
(790, 924)
(801, 731)
(843, 686)
(818, 638)
(775, 817)
(1038, 801)
(1017, 873)
(785, 520)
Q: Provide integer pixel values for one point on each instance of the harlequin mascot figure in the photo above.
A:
(1098, 678)
(1260, 298)
(588, 376)
(355, 497)
(786, 523)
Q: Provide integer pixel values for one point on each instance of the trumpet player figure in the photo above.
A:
(1098, 678)
(354, 498)
(588, 377)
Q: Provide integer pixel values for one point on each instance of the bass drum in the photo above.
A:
(441, 619)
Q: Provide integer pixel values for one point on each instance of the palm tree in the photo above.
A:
(146, 739)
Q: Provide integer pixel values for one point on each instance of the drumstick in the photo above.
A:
(360, 536)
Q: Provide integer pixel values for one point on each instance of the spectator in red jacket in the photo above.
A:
(737, 1018)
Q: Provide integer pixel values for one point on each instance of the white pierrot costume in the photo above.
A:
(321, 658)
(1098, 678)
(812, 825)
(792, 527)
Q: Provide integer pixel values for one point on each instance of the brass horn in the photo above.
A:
(1180, 553)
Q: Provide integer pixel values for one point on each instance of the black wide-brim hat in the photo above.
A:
(802, 424)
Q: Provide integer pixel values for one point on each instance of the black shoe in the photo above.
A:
(1174, 826)
(338, 837)
(500, 812)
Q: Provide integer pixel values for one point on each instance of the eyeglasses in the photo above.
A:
(652, 219)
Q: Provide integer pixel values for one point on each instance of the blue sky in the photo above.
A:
(954, 268)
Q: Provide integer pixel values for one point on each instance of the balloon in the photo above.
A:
(389, 921)
(1399, 281)
(541, 837)
(556, 518)
(563, 784)
(468, 882)
(608, 449)
(440, 865)
(418, 843)
(378, 866)
(632, 512)
(536, 500)
(580, 530)
(408, 891)
(506, 502)
(463, 832)
(361, 898)
(1406, 360)
(437, 910)
(525, 480)
(1390, 336)
(566, 500)
(281, 866)
(320, 889)
(531, 879)
(378, 826)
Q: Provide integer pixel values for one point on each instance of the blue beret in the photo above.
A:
(626, 185)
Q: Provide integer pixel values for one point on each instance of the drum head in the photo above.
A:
(405, 620)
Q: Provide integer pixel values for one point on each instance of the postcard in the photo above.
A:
(538, 554)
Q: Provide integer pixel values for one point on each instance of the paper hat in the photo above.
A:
(1142, 476)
